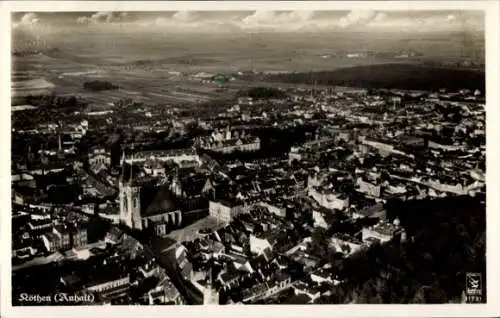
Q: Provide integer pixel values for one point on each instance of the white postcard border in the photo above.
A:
(492, 26)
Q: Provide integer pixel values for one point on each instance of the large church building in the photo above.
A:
(147, 203)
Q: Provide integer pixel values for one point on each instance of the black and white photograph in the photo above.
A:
(329, 156)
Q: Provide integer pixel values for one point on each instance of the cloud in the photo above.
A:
(185, 16)
(28, 20)
(283, 21)
(102, 17)
(273, 18)
(310, 20)
(361, 18)
(183, 21)
(454, 21)
(423, 22)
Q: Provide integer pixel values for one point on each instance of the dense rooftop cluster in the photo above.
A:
(266, 201)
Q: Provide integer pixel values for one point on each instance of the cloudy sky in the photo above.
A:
(249, 21)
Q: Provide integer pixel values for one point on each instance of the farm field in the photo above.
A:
(41, 74)
(148, 70)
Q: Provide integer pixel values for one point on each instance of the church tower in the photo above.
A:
(210, 295)
(130, 205)
(228, 133)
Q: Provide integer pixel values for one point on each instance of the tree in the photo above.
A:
(319, 243)
(422, 270)
(419, 296)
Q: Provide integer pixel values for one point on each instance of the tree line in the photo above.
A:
(445, 240)
(97, 86)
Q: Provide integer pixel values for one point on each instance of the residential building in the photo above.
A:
(225, 210)
(345, 244)
(372, 211)
(78, 237)
(148, 203)
(368, 188)
(58, 239)
(175, 155)
(382, 231)
(328, 199)
(275, 207)
(99, 159)
(259, 244)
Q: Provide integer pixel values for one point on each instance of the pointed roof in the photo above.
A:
(157, 201)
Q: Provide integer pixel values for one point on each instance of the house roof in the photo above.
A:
(298, 300)
(114, 233)
(51, 237)
(61, 229)
(40, 222)
(281, 276)
(237, 258)
(385, 228)
(71, 280)
(229, 276)
(372, 211)
(268, 253)
(255, 290)
(321, 272)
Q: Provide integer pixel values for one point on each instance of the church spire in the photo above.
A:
(132, 165)
(59, 141)
(123, 165)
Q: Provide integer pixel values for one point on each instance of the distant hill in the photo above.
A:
(397, 76)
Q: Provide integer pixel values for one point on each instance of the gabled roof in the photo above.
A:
(268, 254)
(157, 201)
(372, 211)
(229, 276)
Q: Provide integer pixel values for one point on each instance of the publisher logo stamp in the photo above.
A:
(474, 287)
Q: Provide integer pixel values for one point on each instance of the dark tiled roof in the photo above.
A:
(51, 237)
(61, 229)
(268, 254)
(281, 276)
(114, 233)
(157, 200)
(298, 299)
(229, 276)
(71, 280)
(194, 185)
(371, 210)
(42, 222)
